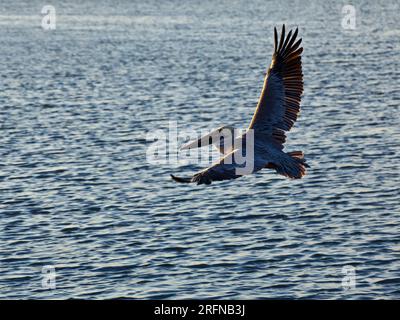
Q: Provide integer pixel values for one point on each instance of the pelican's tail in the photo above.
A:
(181, 180)
(294, 166)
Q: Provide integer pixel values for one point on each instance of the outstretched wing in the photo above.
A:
(279, 103)
(225, 169)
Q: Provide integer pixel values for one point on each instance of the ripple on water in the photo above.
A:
(77, 192)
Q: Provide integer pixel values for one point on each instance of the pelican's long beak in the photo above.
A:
(202, 142)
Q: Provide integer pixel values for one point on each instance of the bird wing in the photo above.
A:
(225, 169)
(279, 103)
(222, 171)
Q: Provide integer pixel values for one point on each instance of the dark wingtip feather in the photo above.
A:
(289, 45)
(293, 48)
(180, 180)
(295, 33)
(275, 40)
(282, 38)
(286, 41)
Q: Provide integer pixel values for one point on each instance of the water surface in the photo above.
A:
(76, 191)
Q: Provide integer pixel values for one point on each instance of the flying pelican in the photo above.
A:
(277, 110)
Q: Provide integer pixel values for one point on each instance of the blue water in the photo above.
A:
(77, 193)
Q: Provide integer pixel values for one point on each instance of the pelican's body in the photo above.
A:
(276, 112)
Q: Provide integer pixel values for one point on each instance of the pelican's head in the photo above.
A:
(214, 137)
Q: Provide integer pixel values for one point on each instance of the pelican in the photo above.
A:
(276, 112)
